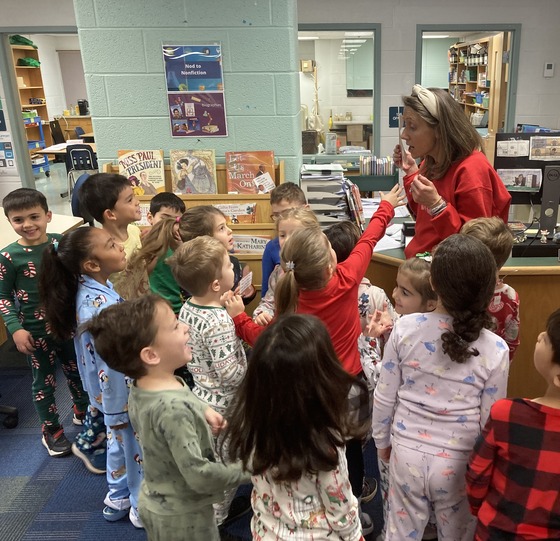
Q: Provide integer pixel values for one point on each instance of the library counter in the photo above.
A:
(536, 280)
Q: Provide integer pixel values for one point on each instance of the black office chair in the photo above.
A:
(11, 420)
(80, 159)
(57, 137)
(78, 208)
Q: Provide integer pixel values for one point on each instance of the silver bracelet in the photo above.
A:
(437, 208)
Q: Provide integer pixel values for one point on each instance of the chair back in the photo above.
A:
(79, 132)
(78, 208)
(56, 132)
(80, 157)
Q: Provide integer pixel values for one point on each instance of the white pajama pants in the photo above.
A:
(420, 483)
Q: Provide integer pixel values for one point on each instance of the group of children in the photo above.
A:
(332, 361)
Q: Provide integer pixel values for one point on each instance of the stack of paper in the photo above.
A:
(324, 187)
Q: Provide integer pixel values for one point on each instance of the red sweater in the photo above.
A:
(472, 189)
(336, 303)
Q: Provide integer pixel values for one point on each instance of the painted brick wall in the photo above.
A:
(123, 63)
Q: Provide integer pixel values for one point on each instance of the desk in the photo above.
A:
(60, 149)
(70, 123)
(536, 280)
(60, 223)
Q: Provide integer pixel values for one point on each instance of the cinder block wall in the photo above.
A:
(123, 63)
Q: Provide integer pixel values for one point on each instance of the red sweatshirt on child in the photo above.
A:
(335, 304)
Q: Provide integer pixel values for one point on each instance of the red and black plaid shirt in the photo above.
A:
(513, 477)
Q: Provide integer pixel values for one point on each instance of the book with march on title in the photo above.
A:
(144, 169)
(244, 168)
(193, 171)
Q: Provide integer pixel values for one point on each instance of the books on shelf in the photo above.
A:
(372, 165)
(193, 171)
(241, 213)
(243, 170)
(144, 169)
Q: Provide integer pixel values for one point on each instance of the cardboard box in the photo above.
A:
(370, 143)
(355, 132)
(341, 140)
(359, 144)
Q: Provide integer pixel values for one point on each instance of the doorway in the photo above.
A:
(339, 85)
(500, 42)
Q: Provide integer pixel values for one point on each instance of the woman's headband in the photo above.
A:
(427, 99)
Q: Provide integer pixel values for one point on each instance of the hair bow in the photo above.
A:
(290, 265)
(427, 98)
(426, 256)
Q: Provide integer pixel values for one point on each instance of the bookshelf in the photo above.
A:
(33, 106)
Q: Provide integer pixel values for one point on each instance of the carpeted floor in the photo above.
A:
(44, 498)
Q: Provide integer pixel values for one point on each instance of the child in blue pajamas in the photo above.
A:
(78, 269)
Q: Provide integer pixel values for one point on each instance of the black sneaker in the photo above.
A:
(78, 417)
(56, 444)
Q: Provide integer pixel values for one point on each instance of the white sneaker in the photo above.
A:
(367, 523)
(135, 518)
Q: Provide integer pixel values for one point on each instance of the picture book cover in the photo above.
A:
(240, 213)
(144, 169)
(193, 171)
(244, 168)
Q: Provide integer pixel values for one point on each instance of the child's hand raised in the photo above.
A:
(224, 297)
(379, 323)
(396, 196)
(215, 421)
(234, 305)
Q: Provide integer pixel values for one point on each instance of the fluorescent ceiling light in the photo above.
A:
(434, 36)
(307, 38)
(354, 40)
(358, 34)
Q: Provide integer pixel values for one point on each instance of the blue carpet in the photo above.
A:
(57, 499)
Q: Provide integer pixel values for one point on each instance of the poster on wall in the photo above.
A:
(7, 159)
(195, 90)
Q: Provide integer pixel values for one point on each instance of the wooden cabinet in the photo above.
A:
(478, 80)
(68, 125)
(33, 106)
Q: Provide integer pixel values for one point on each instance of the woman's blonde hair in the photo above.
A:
(303, 215)
(305, 258)
(455, 135)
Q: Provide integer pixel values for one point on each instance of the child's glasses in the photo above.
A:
(275, 216)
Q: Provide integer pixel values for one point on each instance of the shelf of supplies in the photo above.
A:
(367, 183)
(27, 67)
(27, 87)
(33, 105)
(24, 47)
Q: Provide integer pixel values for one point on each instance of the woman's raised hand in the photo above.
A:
(407, 163)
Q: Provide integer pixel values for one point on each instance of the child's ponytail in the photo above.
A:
(305, 258)
(156, 243)
(463, 274)
(61, 267)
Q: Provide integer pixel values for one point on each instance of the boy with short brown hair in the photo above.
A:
(28, 214)
(202, 267)
(504, 307)
(284, 196)
(110, 200)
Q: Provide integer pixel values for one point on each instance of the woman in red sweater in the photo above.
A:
(455, 182)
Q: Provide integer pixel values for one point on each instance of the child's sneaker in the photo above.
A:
(94, 460)
(367, 523)
(56, 443)
(369, 490)
(78, 417)
(134, 518)
(112, 515)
